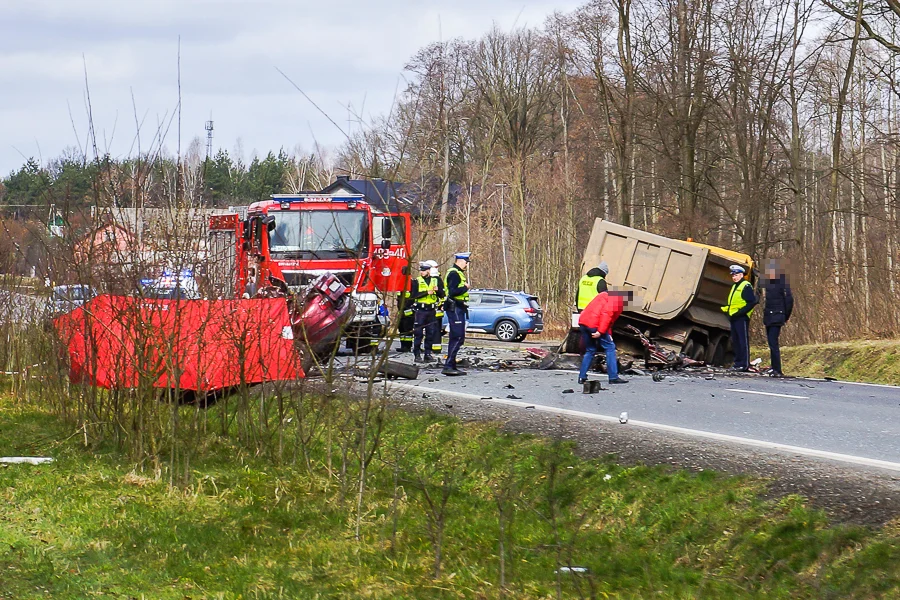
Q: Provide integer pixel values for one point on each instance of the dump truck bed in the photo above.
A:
(670, 278)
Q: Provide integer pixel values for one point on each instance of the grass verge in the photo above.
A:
(91, 525)
(875, 361)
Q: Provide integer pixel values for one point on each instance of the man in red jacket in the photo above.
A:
(596, 324)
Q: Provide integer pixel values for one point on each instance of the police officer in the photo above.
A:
(592, 283)
(457, 309)
(424, 294)
(439, 310)
(739, 307)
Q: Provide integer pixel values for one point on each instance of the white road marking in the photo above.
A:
(767, 394)
(809, 452)
(881, 385)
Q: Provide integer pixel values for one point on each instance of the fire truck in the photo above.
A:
(291, 240)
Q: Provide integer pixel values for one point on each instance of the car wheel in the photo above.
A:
(506, 331)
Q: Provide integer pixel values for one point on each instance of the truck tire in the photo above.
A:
(506, 330)
(699, 352)
(715, 353)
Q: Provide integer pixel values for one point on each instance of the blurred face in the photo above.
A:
(462, 263)
(735, 277)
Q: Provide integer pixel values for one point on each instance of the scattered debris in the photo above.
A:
(538, 353)
(658, 377)
(623, 418)
(502, 365)
(755, 362)
(509, 386)
(395, 368)
(634, 371)
(591, 387)
(514, 397)
(25, 460)
(448, 406)
(531, 406)
(658, 355)
(555, 360)
(568, 391)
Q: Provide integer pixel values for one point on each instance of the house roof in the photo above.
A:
(392, 196)
(379, 193)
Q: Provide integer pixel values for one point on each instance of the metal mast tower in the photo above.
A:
(209, 136)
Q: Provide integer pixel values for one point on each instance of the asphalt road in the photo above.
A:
(853, 423)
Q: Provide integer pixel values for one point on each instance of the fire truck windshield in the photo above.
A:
(319, 233)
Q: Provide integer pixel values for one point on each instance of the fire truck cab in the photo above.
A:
(295, 238)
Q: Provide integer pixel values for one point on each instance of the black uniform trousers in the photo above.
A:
(423, 329)
(740, 342)
(405, 330)
(456, 323)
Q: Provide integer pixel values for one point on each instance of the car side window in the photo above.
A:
(510, 300)
(474, 298)
(491, 300)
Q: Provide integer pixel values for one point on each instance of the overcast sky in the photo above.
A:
(341, 53)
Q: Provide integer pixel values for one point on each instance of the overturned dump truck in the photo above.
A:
(679, 287)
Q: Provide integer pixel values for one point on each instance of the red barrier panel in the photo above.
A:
(201, 345)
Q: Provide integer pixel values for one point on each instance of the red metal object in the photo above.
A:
(322, 313)
(123, 342)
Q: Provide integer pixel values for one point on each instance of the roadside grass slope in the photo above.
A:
(92, 524)
(870, 361)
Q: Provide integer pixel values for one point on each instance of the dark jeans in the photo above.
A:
(456, 323)
(591, 345)
(740, 342)
(772, 333)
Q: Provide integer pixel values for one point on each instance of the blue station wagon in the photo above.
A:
(509, 315)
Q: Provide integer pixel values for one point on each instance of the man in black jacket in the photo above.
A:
(777, 311)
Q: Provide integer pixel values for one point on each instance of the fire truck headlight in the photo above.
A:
(351, 204)
(285, 206)
(386, 272)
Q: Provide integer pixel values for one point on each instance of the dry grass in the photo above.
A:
(875, 361)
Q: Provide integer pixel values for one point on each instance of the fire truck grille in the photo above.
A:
(300, 279)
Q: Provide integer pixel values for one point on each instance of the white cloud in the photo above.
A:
(340, 52)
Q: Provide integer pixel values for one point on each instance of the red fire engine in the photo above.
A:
(291, 240)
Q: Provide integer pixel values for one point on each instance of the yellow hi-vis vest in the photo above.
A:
(587, 290)
(431, 297)
(464, 297)
(736, 298)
